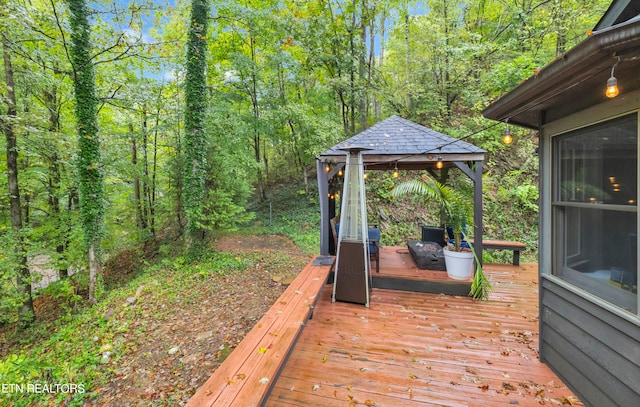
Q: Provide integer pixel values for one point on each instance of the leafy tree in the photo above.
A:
(23, 284)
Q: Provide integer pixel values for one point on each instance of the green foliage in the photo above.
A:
(290, 211)
(68, 351)
(457, 208)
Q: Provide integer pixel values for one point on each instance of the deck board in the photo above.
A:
(422, 349)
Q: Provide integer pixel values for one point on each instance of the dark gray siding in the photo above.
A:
(595, 352)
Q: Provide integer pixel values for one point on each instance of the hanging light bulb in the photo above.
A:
(395, 171)
(365, 175)
(339, 173)
(327, 168)
(612, 84)
(439, 164)
(507, 138)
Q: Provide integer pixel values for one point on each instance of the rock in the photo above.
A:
(174, 350)
(192, 358)
(106, 358)
(110, 313)
(131, 301)
(204, 335)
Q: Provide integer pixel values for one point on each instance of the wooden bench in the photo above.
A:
(247, 375)
(517, 247)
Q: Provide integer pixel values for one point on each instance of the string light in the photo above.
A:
(327, 168)
(612, 83)
(395, 171)
(507, 139)
(340, 173)
(439, 164)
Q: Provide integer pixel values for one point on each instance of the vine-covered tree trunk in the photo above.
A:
(91, 176)
(25, 312)
(195, 110)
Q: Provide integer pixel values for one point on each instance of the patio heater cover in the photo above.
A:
(352, 281)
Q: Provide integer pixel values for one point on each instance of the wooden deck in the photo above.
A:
(422, 349)
(398, 271)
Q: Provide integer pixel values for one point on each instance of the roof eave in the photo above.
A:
(560, 74)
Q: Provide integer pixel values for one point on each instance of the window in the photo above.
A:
(594, 210)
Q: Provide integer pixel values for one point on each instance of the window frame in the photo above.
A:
(550, 263)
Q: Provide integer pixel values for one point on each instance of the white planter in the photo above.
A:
(459, 264)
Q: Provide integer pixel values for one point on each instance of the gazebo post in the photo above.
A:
(477, 210)
(323, 192)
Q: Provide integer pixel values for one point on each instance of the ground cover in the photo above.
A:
(156, 339)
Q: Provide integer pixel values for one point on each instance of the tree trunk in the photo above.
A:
(25, 312)
(140, 219)
(95, 270)
(408, 58)
(377, 106)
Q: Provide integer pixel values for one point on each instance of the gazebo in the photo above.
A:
(399, 144)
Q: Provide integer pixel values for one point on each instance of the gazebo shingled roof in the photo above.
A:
(399, 143)
(409, 145)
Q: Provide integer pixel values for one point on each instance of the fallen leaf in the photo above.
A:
(315, 387)
(411, 375)
(484, 387)
(508, 386)
(369, 403)
(262, 350)
(241, 376)
(569, 400)
(264, 380)
(324, 358)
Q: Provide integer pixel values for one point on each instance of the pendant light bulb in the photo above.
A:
(507, 138)
(612, 84)
(612, 87)
(395, 171)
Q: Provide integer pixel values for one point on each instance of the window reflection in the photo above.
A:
(594, 212)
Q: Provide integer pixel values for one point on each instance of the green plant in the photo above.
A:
(458, 214)
(456, 208)
(481, 286)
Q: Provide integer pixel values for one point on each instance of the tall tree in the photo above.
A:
(90, 171)
(25, 312)
(195, 140)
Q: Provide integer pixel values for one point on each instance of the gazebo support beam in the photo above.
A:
(477, 210)
(323, 192)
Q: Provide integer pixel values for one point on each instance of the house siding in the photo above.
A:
(594, 351)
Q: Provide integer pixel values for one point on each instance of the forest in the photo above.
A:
(155, 126)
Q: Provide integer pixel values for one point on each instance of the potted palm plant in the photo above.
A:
(457, 210)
